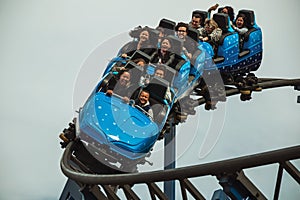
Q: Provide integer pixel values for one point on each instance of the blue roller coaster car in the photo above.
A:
(233, 57)
(117, 132)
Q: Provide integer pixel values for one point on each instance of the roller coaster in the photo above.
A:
(111, 136)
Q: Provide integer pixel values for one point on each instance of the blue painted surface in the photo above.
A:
(108, 120)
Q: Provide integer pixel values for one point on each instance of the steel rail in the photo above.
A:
(264, 83)
(214, 168)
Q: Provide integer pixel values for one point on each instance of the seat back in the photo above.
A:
(176, 48)
(223, 22)
(154, 35)
(193, 34)
(168, 26)
(139, 54)
(157, 89)
(110, 78)
(170, 74)
(228, 44)
(135, 71)
(253, 37)
(220, 9)
(249, 23)
(176, 43)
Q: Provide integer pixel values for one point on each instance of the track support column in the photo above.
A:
(169, 160)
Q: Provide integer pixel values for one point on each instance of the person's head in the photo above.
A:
(181, 29)
(144, 35)
(159, 72)
(229, 11)
(124, 78)
(240, 20)
(144, 97)
(140, 62)
(165, 44)
(161, 31)
(210, 25)
(196, 21)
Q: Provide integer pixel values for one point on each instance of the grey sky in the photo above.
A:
(44, 44)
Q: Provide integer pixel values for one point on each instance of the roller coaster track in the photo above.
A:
(229, 172)
(264, 83)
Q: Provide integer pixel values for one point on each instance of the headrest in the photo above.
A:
(170, 74)
(135, 32)
(250, 20)
(135, 71)
(193, 33)
(168, 25)
(153, 37)
(157, 88)
(220, 9)
(222, 20)
(203, 15)
(176, 43)
(139, 54)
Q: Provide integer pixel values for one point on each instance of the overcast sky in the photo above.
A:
(45, 49)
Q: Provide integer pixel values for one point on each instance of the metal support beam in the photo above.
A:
(238, 186)
(93, 192)
(243, 179)
(71, 191)
(155, 191)
(297, 87)
(129, 193)
(110, 193)
(278, 182)
(169, 160)
(185, 184)
(292, 170)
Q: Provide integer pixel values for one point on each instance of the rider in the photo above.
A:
(143, 102)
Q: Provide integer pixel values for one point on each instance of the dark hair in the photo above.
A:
(230, 12)
(135, 33)
(242, 16)
(136, 60)
(167, 38)
(161, 29)
(196, 15)
(181, 24)
(160, 67)
(146, 91)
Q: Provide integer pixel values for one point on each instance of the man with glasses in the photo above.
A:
(189, 45)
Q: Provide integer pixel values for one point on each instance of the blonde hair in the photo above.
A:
(211, 23)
